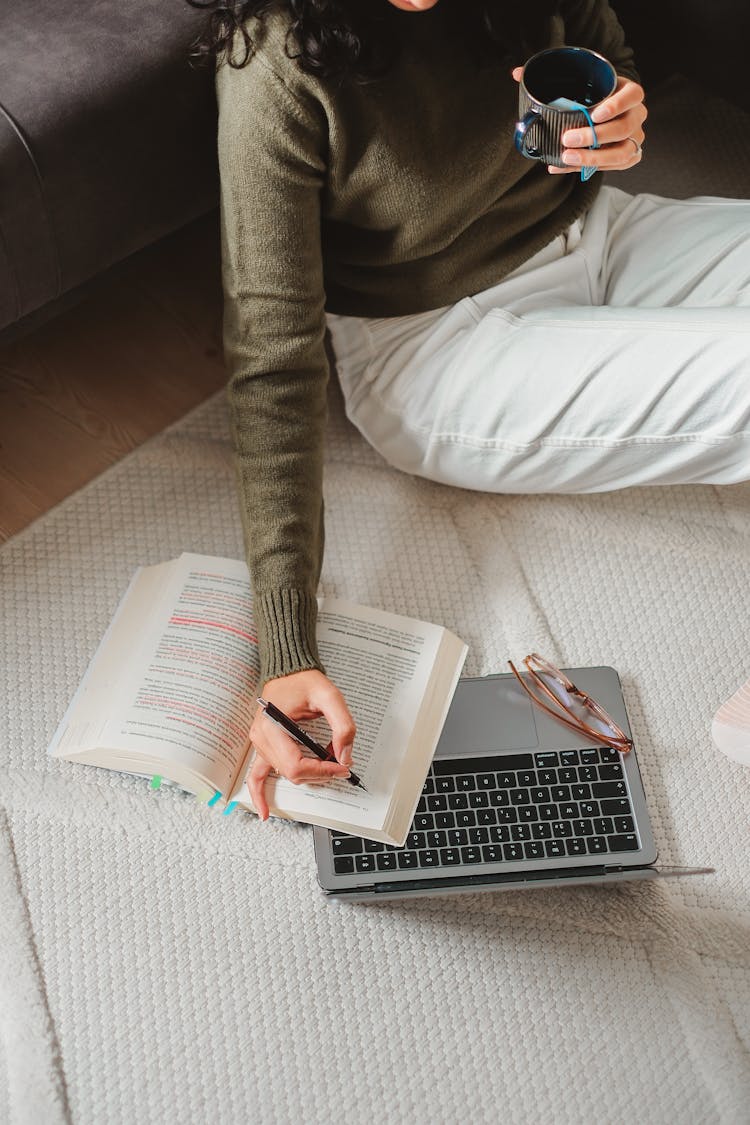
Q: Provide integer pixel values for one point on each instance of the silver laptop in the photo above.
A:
(513, 799)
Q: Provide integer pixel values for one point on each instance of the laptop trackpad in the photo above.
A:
(485, 716)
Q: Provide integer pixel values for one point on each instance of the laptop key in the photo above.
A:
(589, 808)
(374, 846)
(519, 797)
(569, 757)
(415, 840)
(560, 792)
(624, 824)
(620, 807)
(423, 821)
(500, 835)
(457, 837)
(554, 848)
(525, 777)
(565, 776)
(486, 781)
(429, 786)
(561, 829)
(479, 800)
(492, 854)
(540, 796)
(627, 843)
(479, 836)
(506, 816)
(407, 860)
(609, 789)
(580, 792)
(569, 812)
(466, 819)
(596, 845)
(534, 850)
(610, 771)
(520, 832)
(608, 754)
(576, 846)
(589, 757)
(346, 845)
(513, 851)
(546, 758)
(471, 855)
(438, 802)
(366, 862)
(434, 840)
(458, 801)
(548, 812)
(445, 820)
(499, 798)
(465, 782)
(386, 861)
(506, 780)
(344, 864)
(604, 826)
(450, 856)
(587, 774)
(430, 858)
(444, 785)
(486, 816)
(583, 827)
(547, 777)
(527, 813)
(541, 832)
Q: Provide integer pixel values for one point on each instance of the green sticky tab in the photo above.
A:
(156, 781)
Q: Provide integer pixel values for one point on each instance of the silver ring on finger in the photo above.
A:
(638, 148)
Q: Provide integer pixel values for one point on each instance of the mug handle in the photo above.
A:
(521, 134)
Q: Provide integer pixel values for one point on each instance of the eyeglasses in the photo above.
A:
(572, 706)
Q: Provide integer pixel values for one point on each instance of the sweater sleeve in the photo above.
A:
(593, 24)
(271, 150)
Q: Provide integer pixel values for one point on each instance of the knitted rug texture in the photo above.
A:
(161, 962)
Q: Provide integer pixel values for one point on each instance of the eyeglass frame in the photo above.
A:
(620, 741)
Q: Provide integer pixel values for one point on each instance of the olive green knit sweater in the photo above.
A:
(393, 197)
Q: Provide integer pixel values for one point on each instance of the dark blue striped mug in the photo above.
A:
(552, 84)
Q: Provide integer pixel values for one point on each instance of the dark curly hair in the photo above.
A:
(352, 39)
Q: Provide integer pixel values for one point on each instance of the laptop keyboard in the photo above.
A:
(548, 805)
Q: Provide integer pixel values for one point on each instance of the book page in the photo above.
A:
(382, 664)
(187, 687)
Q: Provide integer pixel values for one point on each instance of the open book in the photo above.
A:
(171, 691)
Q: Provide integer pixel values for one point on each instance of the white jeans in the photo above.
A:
(619, 355)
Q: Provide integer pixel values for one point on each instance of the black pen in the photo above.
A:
(304, 739)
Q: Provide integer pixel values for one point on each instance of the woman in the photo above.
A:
(495, 326)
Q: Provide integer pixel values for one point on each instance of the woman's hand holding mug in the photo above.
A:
(551, 129)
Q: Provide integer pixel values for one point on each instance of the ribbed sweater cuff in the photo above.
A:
(286, 622)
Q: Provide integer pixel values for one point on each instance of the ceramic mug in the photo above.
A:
(558, 89)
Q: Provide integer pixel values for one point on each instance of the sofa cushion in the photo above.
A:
(107, 139)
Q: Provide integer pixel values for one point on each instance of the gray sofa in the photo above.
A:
(107, 141)
(107, 135)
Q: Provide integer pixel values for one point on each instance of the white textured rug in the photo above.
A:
(159, 962)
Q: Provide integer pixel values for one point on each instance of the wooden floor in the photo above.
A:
(138, 352)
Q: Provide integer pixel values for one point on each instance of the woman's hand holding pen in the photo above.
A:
(302, 695)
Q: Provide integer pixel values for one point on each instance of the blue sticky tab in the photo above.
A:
(566, 103)
(214, 800)
(228, 809)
